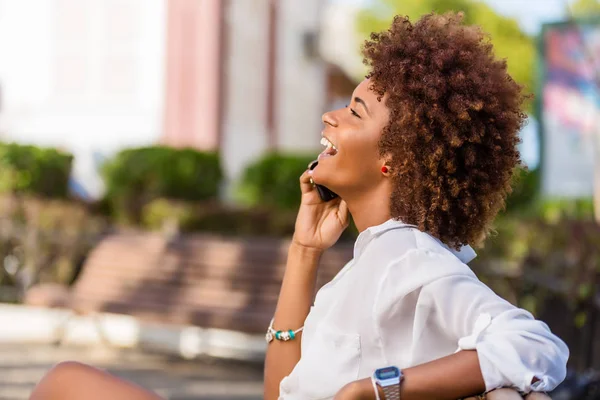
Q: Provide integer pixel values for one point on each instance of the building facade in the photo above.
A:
(96, 76)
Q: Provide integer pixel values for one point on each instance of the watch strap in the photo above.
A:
(392, 392)
(375, 388)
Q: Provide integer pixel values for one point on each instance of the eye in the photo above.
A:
(353, 112)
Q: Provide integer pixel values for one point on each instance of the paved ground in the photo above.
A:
(21, 366)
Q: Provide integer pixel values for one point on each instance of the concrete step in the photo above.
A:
(23, 365)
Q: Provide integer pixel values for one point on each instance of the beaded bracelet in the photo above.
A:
(281, 335)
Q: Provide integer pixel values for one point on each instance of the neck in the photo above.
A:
(370, 208)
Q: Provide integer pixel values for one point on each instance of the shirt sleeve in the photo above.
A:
(440, 294)
(514, 349)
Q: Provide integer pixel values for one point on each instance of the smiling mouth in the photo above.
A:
(330, 149)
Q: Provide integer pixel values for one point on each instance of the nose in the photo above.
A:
(329, 119)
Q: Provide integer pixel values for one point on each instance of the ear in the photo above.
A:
(385, 163)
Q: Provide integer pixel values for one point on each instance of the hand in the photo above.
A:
(319, 224)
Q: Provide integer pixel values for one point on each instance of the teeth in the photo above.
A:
(327, 143)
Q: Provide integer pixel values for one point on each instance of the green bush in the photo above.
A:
(553, 210)
(161, 211)
(215, 218)
(272, 181)
(562, 254)
(137, 176)
(34, 170)
(526, 188)
(44, 240)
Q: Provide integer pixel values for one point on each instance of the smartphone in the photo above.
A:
(324, 193)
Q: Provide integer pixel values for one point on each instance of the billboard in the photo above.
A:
(569, 107)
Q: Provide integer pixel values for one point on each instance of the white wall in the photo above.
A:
(88, 76)
(340, 42)
(301, 88)
(245, 123)
(84, 75)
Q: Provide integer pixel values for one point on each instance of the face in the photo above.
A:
(353, 164)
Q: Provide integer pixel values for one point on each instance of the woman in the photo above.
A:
(422, 159)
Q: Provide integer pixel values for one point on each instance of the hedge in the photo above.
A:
(526, 189)
(38, 171)
(272, 181)
(45, 241)
(135, 177)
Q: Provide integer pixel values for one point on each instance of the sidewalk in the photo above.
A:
(178, 362)
(22, 365)
(38, 325)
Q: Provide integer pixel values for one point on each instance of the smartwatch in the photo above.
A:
(389, 378)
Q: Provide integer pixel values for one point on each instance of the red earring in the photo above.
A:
(384, 169)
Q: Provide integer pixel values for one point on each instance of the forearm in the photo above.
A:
(453, 377)
(295, 299)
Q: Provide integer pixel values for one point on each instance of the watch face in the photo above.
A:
(387, 373)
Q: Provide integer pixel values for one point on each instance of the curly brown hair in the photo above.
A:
(455, 114)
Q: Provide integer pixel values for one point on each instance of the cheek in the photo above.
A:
(363, 149)
(361, 160)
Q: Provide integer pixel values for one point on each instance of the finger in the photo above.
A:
(306, 184)
(342, 212)
(503, 394)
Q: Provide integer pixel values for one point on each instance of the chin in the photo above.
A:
(325, 167)
(326, 173)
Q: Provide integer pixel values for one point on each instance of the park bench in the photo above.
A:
(199, 280)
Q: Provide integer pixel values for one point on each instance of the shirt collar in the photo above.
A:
(465, 254)
(365, 237)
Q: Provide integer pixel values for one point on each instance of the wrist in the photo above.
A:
(306, 251)
(302, 261)
(387, 382)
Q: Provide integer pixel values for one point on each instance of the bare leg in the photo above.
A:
(76, 381)
(503, 394)
(537, 396)
(499, 394)
(509, 394)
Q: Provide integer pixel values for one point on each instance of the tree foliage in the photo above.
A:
(584, 8)
(510, 42)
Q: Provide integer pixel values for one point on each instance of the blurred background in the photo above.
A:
(149, 160)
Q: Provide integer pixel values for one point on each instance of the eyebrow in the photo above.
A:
(361, 101)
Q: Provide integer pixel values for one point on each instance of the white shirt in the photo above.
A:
(406, 299)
